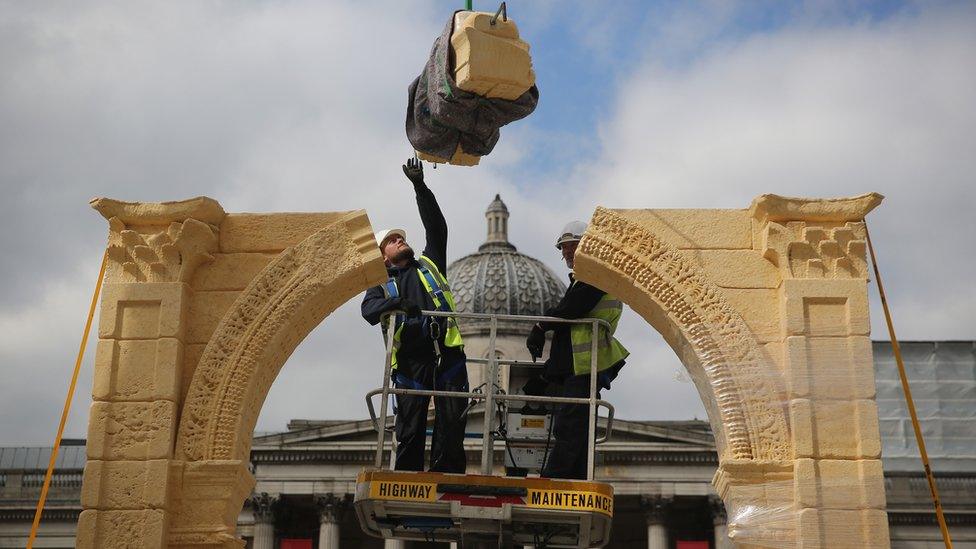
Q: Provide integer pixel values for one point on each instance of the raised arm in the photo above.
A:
(435, 226)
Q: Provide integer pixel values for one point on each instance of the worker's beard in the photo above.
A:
(405, 254)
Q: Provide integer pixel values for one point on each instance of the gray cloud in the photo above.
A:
(291, 107)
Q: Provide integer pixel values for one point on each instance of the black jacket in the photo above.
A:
(413, 341)
(580, 298)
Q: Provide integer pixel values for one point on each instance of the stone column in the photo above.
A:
(263, 506)
(838, 482)
(153, 252)
(655, 510)
(719, 521)
(331, 511)
(394, 544)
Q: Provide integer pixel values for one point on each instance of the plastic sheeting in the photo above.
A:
(942, 375)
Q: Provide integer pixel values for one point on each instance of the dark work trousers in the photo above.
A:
(450, 419)
(568, 455)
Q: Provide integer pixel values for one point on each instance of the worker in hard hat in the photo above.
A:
(427, 351)
(567, 370)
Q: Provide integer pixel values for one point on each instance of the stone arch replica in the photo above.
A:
(766, 307)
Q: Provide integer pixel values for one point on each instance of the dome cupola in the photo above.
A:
(500, 280)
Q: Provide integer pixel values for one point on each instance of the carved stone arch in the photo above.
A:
(278, 309)
(744, 402)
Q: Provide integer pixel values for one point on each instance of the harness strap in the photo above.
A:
(410, 383)
(440, 301)
(444, 378)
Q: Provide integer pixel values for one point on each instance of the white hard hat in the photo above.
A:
(572, 232)
(382, 235)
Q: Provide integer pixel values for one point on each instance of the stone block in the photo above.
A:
(230, 271)
(141, 310)
(206, 311)
(138, 370)
(131, 430)
(210, 496)
(840, 484)
(759, 309)
(836, 429)
(145, 529)
(736, 268)
(271, 233)
(823, 368)
(837, 529)
(118, 485)
(696, 229)
(818, 307)
(490, 60)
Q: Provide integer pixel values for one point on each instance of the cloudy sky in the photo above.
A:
(299, 105)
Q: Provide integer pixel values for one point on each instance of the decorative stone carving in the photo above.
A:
(292, 295)
(655, 508)
(802, 250)
(263, 506)
(756, 354)
(332, 507)
(159, 242)
(672, 294)
(814, 238)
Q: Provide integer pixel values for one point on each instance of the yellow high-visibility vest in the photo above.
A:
(440, 293)
(609, 351)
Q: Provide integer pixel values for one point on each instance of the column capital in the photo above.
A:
(332, 506)
(263, 506)
(717, 507)
(655, 507)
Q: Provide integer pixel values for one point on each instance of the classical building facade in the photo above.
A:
(664, 473)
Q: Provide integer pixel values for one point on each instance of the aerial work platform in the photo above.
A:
(512, 510)
(515, 511)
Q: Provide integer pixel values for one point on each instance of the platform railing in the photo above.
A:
(490, 395)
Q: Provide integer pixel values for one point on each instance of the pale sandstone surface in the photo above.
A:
(138, 369)
(766, 308)
(736, 268)
(230, 271)
(836, 429)
(490, 60)
(206, 311)
(134, 310)
(117, 485)
(247, 232)
(827, 484)
(200, 208)
(830, 367)
(131, 430)
(695, 229)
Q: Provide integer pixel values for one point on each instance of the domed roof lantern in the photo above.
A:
(499, 280)
(497, 217)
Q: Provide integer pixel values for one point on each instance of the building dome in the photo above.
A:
(498, 279)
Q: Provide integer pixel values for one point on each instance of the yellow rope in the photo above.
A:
(67, 406)
(908, 399)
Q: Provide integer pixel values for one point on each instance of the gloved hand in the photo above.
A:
(407, 306)
(535, 386)
(414, 170)
(535, 342)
